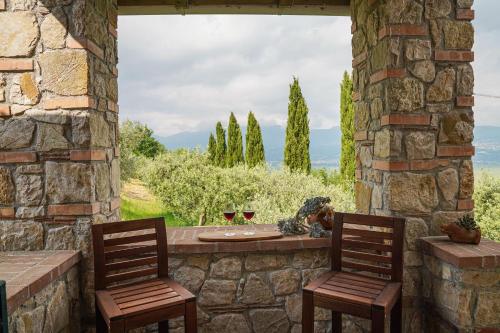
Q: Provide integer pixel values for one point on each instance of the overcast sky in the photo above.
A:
(185, 73)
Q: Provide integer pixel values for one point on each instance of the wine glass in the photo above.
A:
(248, 212)
(229, 212)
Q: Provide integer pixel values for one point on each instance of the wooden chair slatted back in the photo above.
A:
(357, 246)
(4, 319)
(131, 250)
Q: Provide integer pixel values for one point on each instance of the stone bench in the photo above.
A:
(43, 292)
(461, 285)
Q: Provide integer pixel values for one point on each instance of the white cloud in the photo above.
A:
(181, 73)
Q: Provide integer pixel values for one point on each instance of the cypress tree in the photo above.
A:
(234, 154)
(297, 131)
(220, 151)
(212, 147)
(347, 155)
(254, 144)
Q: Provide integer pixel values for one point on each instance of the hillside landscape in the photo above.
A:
(325, 145)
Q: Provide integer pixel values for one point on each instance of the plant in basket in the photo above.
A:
(464, 230)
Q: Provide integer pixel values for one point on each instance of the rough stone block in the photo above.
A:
(285, 282)
(456, 128)
(259, 262)
(190, 277)
(411, 192)
(21, 236)
(9, 133)
(54, 29)
(256, 291)
(69, 182)
(227, 268)
(442, 88)
(405, 95)
(19, 34)
(458, 34)
(420, 145)
(29, 190)
(217, 292)
(65, 72)
(6, 187)
(269, 321)
(388, 143)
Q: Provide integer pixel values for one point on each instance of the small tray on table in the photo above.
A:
(238, 236)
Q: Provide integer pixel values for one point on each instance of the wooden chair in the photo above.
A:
(371, 288)
(4, 319)
(131, 278)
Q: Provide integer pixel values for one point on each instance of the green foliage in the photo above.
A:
(234, 154)
(212, 149)
(467, 222)
(189, 186)
(487, 206)
(133, 208)
(138, 139)
(347, 155)
(137, 144)
(220, 151)
(254, 143)
(297, 131)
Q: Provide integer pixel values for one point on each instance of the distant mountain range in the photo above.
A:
(325, 145)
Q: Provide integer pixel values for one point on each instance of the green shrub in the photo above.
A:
(487, 205)
(190, 186)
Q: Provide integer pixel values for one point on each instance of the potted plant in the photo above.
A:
(464, 230)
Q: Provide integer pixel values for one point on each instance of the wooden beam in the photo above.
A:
(257, 7)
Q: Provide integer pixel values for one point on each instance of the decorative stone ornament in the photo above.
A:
(463, 230)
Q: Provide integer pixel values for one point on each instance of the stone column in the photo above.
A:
(59, 167)
(414, 122)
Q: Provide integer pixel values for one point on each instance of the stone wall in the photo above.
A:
(257, 292)
(413, 87)
(54, 309)
(460, 299)
(59, 167)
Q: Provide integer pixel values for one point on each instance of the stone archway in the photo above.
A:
(59, 156)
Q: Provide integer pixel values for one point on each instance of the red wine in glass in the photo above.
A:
(248, 214)
(229, 215)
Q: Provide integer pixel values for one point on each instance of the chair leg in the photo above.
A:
(378, 320)
(190, 317)
(396, 317)
(307, 312)
(336, 322)
(163, 326)
(100, 324)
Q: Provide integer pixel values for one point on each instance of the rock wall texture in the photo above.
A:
(59, 167)
(253, 292)
(460, 299)
(56, 308)
(413, 92)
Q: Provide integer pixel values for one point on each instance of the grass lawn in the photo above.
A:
(138, 203)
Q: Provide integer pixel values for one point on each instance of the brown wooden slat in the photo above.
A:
(319, 281)
(130, 275)
(349, 243)
(371, 286)
(143, 295)
(153, 306)
(344, 297)
(367, 233)
(354, 286)
(389, 295)
(362, 278)
(366, 256)
(106, 304)
(139, 291)
(367, 268)
(137, 319)
(145, 302)
(132, 251)
(131, 263)
(126, 226)
(371, 220)
(129, 239)
(120, 289)
(348, 291)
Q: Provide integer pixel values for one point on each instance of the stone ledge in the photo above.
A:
(184, 240)
(27, 273)
(484, 255)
